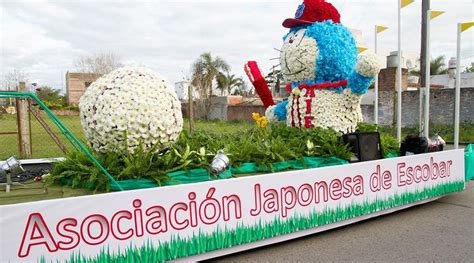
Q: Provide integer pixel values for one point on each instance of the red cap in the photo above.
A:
(311, 11)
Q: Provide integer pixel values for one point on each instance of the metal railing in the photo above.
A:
(73, 140)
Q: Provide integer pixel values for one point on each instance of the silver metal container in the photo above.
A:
(220, 163)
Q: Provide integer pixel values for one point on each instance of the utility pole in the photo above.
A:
(425, 6)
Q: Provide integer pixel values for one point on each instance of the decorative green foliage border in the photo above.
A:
(201, 243)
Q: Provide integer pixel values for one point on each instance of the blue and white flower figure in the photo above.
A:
(129, 106)
(326, 77)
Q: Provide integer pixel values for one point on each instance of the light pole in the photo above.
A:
(461, 28)
(429, 15)
(401, 4)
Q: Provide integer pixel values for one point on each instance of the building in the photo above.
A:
(441, 97)
(76, 85)
(449, 82)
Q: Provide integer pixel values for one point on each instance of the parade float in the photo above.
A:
(173, 195)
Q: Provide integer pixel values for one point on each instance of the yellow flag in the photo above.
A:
(435, 14)
(381, 29)
(466, 26)
(361, 49)
(404, 3)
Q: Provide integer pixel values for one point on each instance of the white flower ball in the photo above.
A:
(128, 107)
(368, 65)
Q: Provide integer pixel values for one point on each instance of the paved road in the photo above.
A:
(440, 231)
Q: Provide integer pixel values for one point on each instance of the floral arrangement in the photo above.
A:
(264, 147)
(271, 115)
(128, 107)
(369, 67)
(327, 109)
(294, 60)
(326, 91)
(325, 75)
(311, 11)
(243, 143)
(261, 121)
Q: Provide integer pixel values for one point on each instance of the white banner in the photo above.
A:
(175, 221)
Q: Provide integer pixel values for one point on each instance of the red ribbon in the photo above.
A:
(324, 85)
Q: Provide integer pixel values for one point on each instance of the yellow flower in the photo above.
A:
(255, 115)
(261, 121)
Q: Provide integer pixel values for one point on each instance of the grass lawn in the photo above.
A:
(42, 144)
(44, 147)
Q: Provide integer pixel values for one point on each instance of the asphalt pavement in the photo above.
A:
(440, 231)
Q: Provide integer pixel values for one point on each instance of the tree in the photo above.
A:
(274, 79)
(469, 69)
(100, 63)
(243, 90)
(10, 82)
(204, 72)
(437, 67)
(227, 82)
(11, 79)
(50, 96)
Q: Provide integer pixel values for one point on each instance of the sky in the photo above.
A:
(44, 38)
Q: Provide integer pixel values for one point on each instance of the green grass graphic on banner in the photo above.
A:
(200, 243)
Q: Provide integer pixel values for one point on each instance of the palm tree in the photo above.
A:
(228, 82)
(205, 70)
(470, 68)
(437, 67)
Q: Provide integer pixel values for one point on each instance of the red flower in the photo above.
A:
(313, 11)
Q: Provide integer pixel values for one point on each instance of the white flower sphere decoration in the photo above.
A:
(129, 106)
(368, 65)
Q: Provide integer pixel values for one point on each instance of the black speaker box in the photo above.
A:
(365, 145)
(414, 144)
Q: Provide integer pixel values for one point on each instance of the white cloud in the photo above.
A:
(43, 38)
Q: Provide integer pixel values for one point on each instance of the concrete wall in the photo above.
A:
(198, 108)
(218, 110)
(467, 80)
(224, 108)
(441, 107)
(243, 112)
